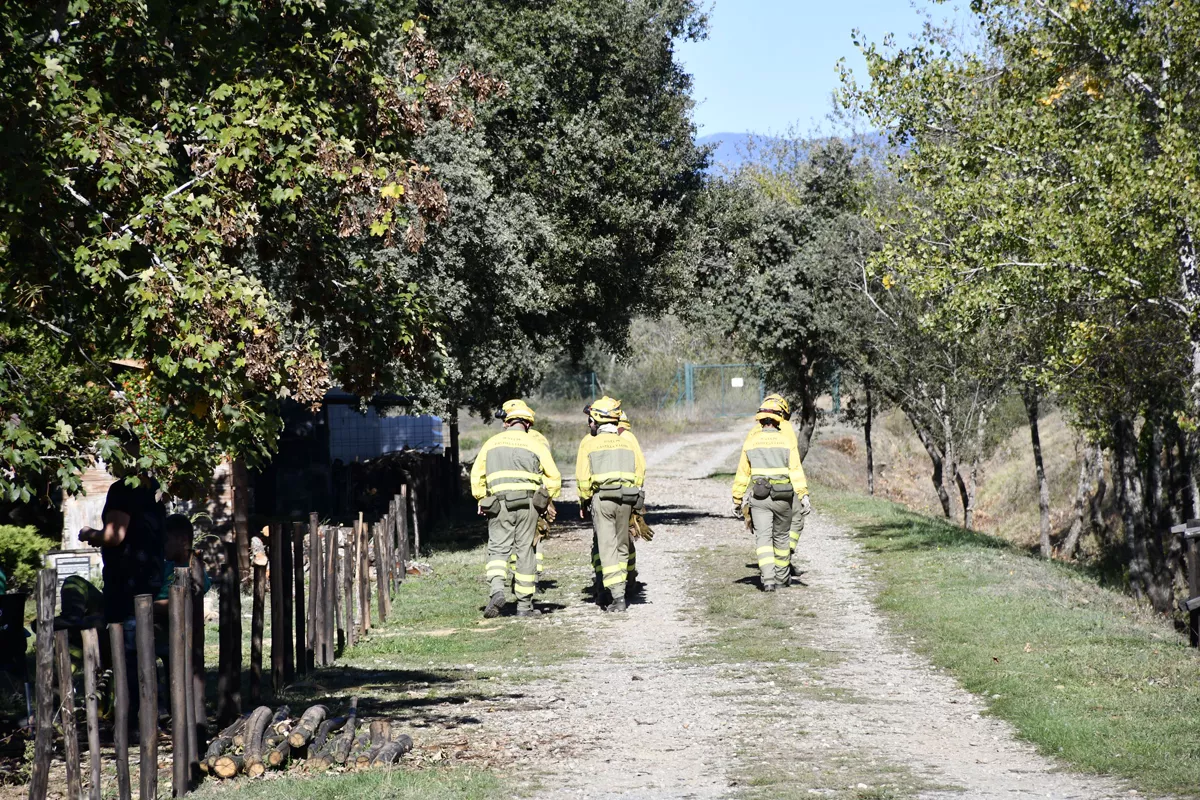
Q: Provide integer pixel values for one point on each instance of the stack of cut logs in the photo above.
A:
(266, 739)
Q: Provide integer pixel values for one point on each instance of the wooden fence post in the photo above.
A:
(315, 572)
(364, 574)
(189, 674)
(229, 679)
(329, 592)
(416, 521)
(285, 580)
(116, 644)
(256, 632)
(39, 783)
(143, 611)
(179, 653)
(349, 560)
(277, 591)
(66, 694)
(300, 610)
(380, 573)
(1191, 541)
(91, 698)
(405, 552)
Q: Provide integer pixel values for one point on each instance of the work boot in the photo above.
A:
(768, 587)
(617, 607)
(495, 605)
(529, 612)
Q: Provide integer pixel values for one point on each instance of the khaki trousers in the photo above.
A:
(771, 521)
(511, 532)
(610, 521)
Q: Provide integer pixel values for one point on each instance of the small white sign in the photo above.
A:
(737, 383)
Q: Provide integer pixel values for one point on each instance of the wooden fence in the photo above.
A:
(312, 622)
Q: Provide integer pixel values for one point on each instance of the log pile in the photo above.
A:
(272, 740)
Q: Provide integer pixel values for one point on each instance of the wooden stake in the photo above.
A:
(316, 571)
(143, 610)
(66, 693)
(39, 783)
(189, 673)
(116, 645)
(416, 521)
(278, 589)
(289, 663)
(349, 561)
(179, 702)
(380, 573)
(329, 594)
(91, 694)
(364, 574)
(405, 551)
(199, 684)
(256, 632)
(229, 680)
(299, 608)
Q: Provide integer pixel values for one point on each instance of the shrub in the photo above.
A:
(21, 551)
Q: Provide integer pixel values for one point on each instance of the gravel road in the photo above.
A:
(637, 719)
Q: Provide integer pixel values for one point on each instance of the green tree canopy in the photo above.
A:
(183, 184)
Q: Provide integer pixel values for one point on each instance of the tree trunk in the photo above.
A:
(1157, 517)
(935, 458)
(867, 436)
(1030, 396)
(1131, 498)
(807, 422)
(1083, 491)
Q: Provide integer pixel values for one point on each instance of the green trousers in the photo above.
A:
(511, 532)
(797, 528)
(771, 521)
(610, 521)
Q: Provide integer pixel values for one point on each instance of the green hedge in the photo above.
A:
(21, 552)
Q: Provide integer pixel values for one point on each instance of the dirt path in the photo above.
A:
(638, 719)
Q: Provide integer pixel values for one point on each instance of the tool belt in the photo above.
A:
(763, 489)
(513, 501)
(627, 495)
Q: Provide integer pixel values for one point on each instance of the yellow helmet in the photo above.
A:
(606, 410)
(623, 420)
(774, 408)
(516, 409)
(776, 402)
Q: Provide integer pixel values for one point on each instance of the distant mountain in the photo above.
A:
(731, 150)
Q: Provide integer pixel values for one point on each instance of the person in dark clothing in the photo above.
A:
(131, 546)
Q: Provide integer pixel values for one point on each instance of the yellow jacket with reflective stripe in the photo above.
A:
(772, 454)
(514, 460)
(608, 461)
(785, 428)
(536, 434)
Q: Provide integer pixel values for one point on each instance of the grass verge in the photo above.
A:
(436, 784)
(1080, 670)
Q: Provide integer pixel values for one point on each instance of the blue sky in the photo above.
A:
(768, 64)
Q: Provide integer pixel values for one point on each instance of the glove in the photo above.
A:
(737, 509)
(805, 505)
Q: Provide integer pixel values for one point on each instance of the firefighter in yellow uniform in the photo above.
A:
(610, 472)
(506, 478)
(625, 429)
(769, 477)
(536, 434)
(800, 505)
